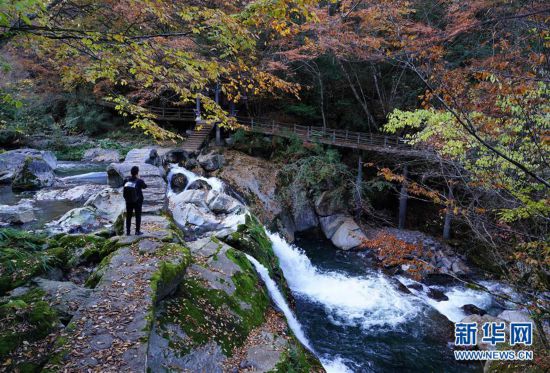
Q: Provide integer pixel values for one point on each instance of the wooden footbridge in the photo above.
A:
(336, 137)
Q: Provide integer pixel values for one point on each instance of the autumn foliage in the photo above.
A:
(394, 252)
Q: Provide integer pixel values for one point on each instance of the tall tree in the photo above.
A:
(132, 51)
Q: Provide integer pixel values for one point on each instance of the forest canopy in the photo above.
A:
(466, 79)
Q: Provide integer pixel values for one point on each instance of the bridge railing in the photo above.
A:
(326, 136)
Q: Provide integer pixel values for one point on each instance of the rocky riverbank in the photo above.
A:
(181, 297)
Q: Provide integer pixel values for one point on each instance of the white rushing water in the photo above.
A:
(214, 182)
(280, 301)
(366, 301)
(458, 297)
(331, 366)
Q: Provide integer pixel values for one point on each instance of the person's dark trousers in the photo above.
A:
(130, 209)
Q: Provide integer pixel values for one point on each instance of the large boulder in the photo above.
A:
(515, 316)
(178, 182)
(220, 203)
(34, 173)
(211, 161)
(108, 203)
(197, 212)
(348, 235)
(255, 179)
(79, 220)
(74, 194)
(21, 213)
(66, 297)
(330, 203)
(116, 172)
(145, 155)
(330, 224)
(13, 159)
(101, 155)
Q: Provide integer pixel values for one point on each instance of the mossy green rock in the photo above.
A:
(25, 318)
(218, 303)
(33, 174)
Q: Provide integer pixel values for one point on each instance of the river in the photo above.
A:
(356, 320)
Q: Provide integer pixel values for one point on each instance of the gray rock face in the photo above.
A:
(108, 203)
(330, 224)
(515, 316)
(116, 172)
(75, 194)
(66, 297)
(330, 203)
(264, 356)
(303, 213)
(256, 180)
(13, 159)
(21, 213)
(199, 211)
(211, 162)
(348, 235)
(34, 173)
(79, 220)
(101, 155)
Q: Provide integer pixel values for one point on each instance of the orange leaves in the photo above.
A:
(395, 252)
(412, 187)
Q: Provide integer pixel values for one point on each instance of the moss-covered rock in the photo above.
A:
(297, 360)
(251, 238)
(21, 258)
(208, 314)
(25, 318)
(74, 250)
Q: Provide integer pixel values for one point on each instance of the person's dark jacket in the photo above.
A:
(140, 184)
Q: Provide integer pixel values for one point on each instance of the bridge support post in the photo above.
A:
(198, 110)
(358, 181)
(448, 214)
(403, 197)
(217, 99)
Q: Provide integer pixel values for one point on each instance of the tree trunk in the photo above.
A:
(363, 103)
(448, 215)
(403, 197)
(358, 181)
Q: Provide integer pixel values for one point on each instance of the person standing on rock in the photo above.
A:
(133, 196)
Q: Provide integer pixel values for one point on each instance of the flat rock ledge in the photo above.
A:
(109, 332)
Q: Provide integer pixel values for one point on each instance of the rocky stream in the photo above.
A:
(224, 279)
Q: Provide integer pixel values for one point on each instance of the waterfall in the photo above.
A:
(364, 301)
(280, 301)
(331, 366)
(214, 182)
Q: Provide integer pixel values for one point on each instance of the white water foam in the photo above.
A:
(280, 301)
(214, 182)
(458, 297)
(365, 301)
(331, 366)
